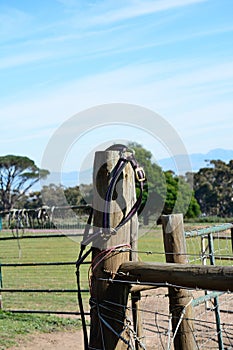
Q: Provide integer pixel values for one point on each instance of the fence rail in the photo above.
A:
(214, 278)
(43, 280)
(209, 230)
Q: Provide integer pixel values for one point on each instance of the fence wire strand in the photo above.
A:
(154, 304)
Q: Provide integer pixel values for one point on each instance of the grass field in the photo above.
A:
(40, 277)
(12, 325)
(53, 277)
(150, 246)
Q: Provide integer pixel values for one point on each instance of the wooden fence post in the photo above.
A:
(136, 295)
(179, 299)
(109, 300)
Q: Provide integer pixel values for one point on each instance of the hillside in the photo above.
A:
(198, 160)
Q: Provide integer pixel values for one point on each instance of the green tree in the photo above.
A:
(53, 195)
(33, 200)
(79, 195)
(87, 193)
(213, 188)
(73, 195)
(17, 175)
(180, 196)
(153, 201)
(166, 191)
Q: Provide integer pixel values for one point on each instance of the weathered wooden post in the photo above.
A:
(109, 300)
(179, 299)
(136, 294)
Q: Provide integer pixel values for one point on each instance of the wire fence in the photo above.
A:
(20, 221)
(37, 274)
(157, 321)
(210, 245)
(211, 319)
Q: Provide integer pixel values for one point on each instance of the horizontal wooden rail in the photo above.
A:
(219, 278)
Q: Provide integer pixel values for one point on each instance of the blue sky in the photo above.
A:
(60, 57)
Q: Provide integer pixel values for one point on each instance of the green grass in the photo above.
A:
(14, 326)
(63, 277)
(150, 246)
(41, 277)
(152, 243)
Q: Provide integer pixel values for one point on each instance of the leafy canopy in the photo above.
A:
(166, 190)
(213, 188)
(17, 175)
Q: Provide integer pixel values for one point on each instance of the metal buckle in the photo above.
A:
(140, 174)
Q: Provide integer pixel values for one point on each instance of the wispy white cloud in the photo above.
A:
(68, 3)
(95, 43)
(14, 23)
(22, 137)
(99, 42)
(82, 16)
(24, 59)
(166, 85)
(110, 12)
(100, 53)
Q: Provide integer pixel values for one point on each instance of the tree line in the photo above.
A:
(207, 192)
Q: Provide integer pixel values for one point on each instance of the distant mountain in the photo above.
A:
(69, 179)
(74, 178)
(197, 160)
(66, 179)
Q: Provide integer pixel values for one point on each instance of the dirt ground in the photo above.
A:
(154, 312)
(52, 341)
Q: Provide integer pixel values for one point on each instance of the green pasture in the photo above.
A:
(151, 243)
(64, 249)
(42, 250)
(51, 249)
